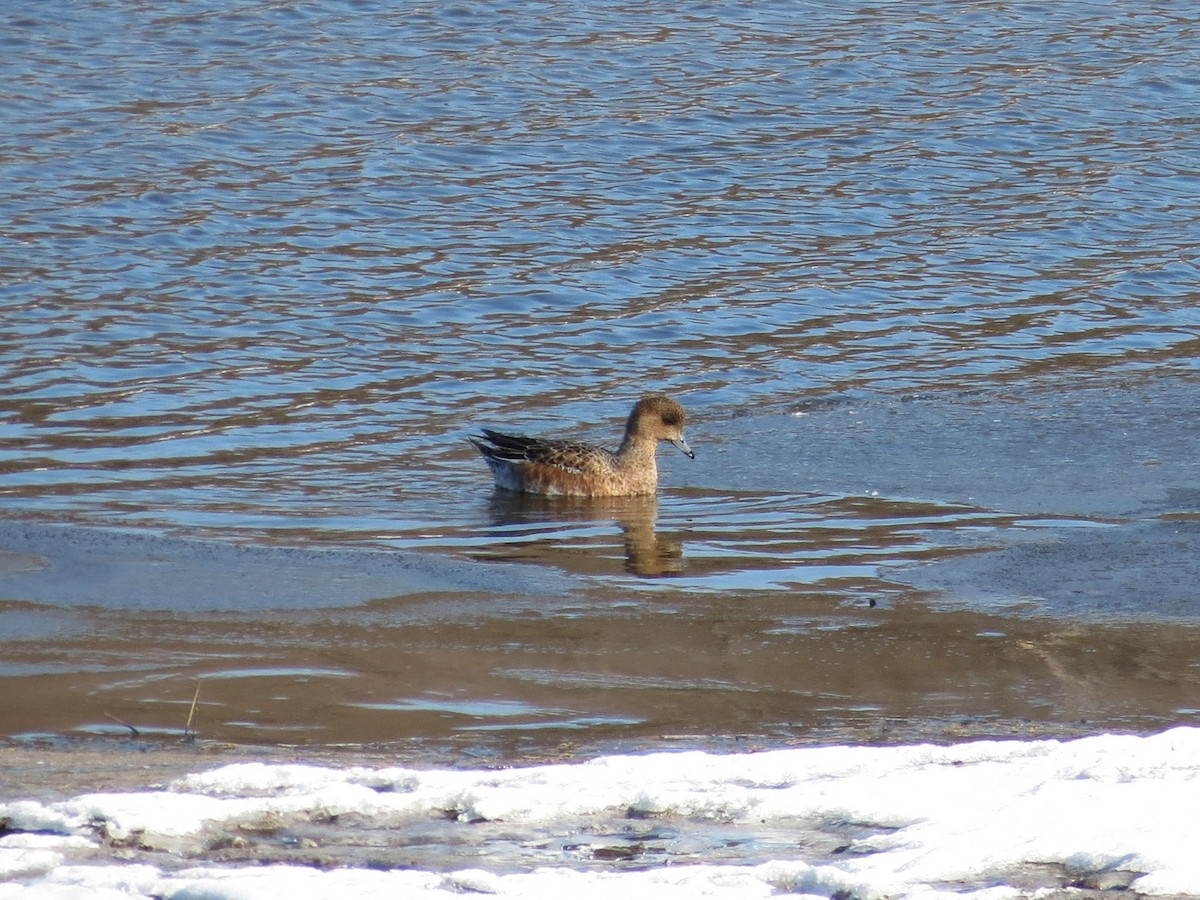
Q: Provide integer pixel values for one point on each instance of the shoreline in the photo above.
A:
(60, 767)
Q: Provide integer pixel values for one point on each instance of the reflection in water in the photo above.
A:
(735, 539)
(646, 553)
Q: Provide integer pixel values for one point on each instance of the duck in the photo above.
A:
(554, 467)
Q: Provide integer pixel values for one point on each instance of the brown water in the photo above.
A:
(924, 276)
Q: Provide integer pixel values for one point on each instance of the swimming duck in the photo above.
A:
(533, 465)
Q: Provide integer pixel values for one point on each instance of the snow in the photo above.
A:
(986, 819)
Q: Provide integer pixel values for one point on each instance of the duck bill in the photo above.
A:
(683, 445)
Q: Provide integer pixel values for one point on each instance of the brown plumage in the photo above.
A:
(534, 465)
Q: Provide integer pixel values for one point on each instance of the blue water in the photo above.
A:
(264, 266)
(261, 258)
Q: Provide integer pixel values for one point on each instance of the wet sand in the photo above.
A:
(594, 675)
(514, 674)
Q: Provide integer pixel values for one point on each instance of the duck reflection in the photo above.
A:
(575, 544)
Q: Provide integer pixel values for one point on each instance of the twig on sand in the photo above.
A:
(133, 731)
(188, 734)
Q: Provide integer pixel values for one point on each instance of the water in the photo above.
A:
(264, 266)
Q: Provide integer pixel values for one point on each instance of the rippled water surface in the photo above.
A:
(263, 266)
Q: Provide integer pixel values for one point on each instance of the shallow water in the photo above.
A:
(265, 266)
(1042, 601)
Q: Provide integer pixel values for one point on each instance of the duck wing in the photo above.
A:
(574, 456)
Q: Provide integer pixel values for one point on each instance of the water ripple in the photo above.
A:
(247, 248)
